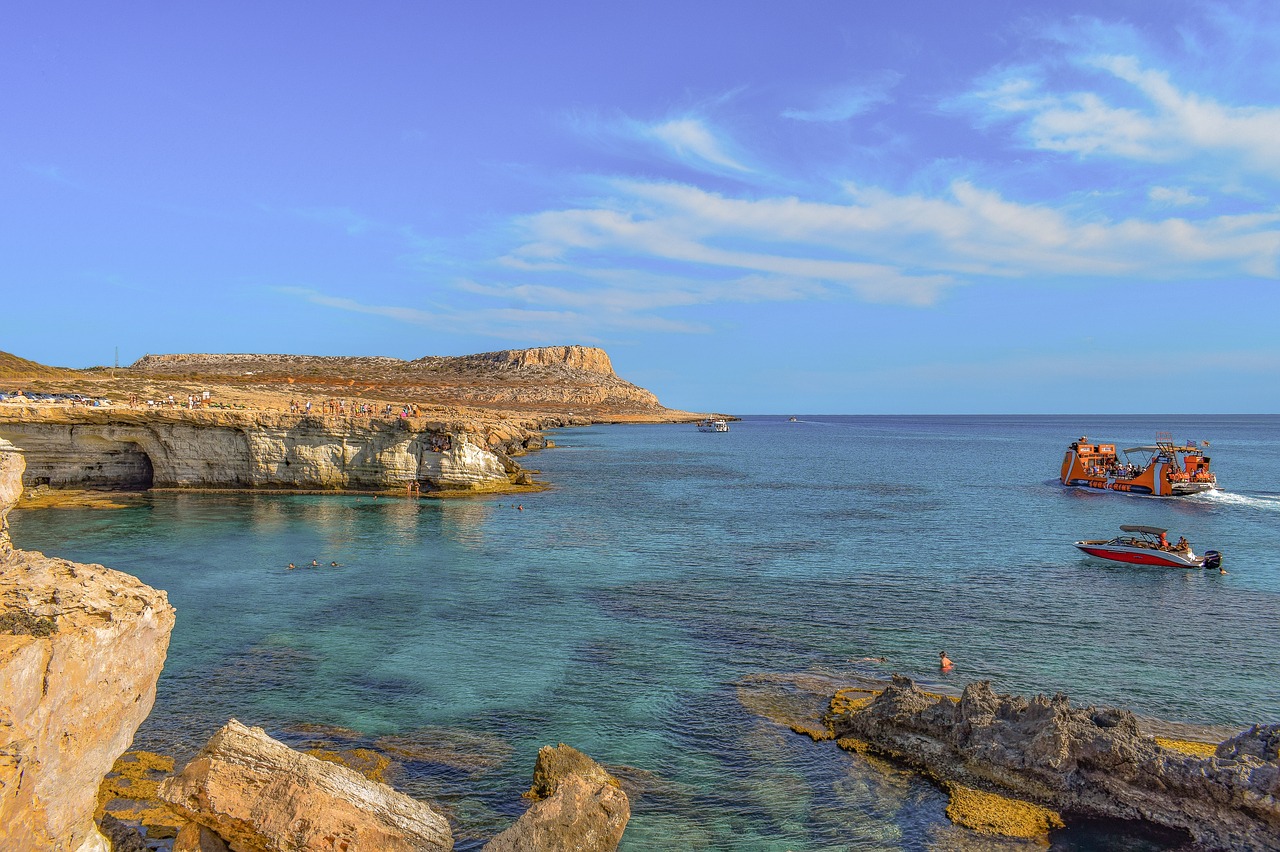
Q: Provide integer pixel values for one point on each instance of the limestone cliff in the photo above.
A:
(94, 447)
(81, 648)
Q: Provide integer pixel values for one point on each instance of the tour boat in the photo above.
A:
(1164, 469)
(713, 424)
(1150, 546)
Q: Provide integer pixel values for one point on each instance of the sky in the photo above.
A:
(819, 207)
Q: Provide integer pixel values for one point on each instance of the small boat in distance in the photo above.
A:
(792, 420)
(1164, 469)
(1149, 546)
(713, 424)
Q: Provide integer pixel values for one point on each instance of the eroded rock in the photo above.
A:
(255, 792)
(580, 807)
(1085, 760)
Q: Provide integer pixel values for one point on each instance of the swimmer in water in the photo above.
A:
(315, 564)
(291, 566)
(944, 662)
(334, 565)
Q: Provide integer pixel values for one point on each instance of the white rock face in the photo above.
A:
(81, 648)
(126, 449)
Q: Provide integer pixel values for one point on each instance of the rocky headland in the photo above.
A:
(435, 424)
(1019, 766)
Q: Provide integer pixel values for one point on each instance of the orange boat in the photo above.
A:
(1164, 469)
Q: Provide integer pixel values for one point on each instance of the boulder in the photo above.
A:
(256, 793)
(580, 807)
(1084, 760)
(81, 648)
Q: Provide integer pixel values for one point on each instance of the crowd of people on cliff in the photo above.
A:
(344, 407)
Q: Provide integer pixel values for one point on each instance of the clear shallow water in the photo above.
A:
(619, 611)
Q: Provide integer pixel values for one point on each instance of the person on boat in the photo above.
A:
(1183, 544)
(944, 662)
(1164, 541)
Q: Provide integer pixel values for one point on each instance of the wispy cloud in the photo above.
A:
(845, 103)
(888, 247)
(1133, 112)
(344, 218)
(538, 325)
(1176, 196)
(692, 141)
(51, 173)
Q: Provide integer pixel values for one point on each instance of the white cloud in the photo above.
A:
(888, 247)
(1160, 124)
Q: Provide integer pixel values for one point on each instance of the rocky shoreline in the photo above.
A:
(1020, 767)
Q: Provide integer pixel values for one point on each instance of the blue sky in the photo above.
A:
(844, 207)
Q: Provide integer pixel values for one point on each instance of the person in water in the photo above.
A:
(944, 662)
(333, 565)
(291, 566)
(315, 564)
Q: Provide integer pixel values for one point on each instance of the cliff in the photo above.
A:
(174, 448)
(81, 648)
(289, 421)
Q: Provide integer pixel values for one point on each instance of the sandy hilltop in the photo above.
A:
(430, 425)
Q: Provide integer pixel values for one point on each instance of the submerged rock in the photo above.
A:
(580, 807)
(81, 648)
(254, 792)
(1086, 760)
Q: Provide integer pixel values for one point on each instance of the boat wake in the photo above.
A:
(1266, 502)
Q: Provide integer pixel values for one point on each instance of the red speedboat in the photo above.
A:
(1150, 546)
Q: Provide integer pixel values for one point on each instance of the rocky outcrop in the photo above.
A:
(579, 807)
(1088, 760)
(88, 447)
(81, 648)
(587, 359)
(254, 792)
(11, 467)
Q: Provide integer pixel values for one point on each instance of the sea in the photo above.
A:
(674, 596)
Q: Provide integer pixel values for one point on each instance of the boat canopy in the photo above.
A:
(1143, 449)
(1141, 529)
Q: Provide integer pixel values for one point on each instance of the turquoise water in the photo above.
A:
(621, 611)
